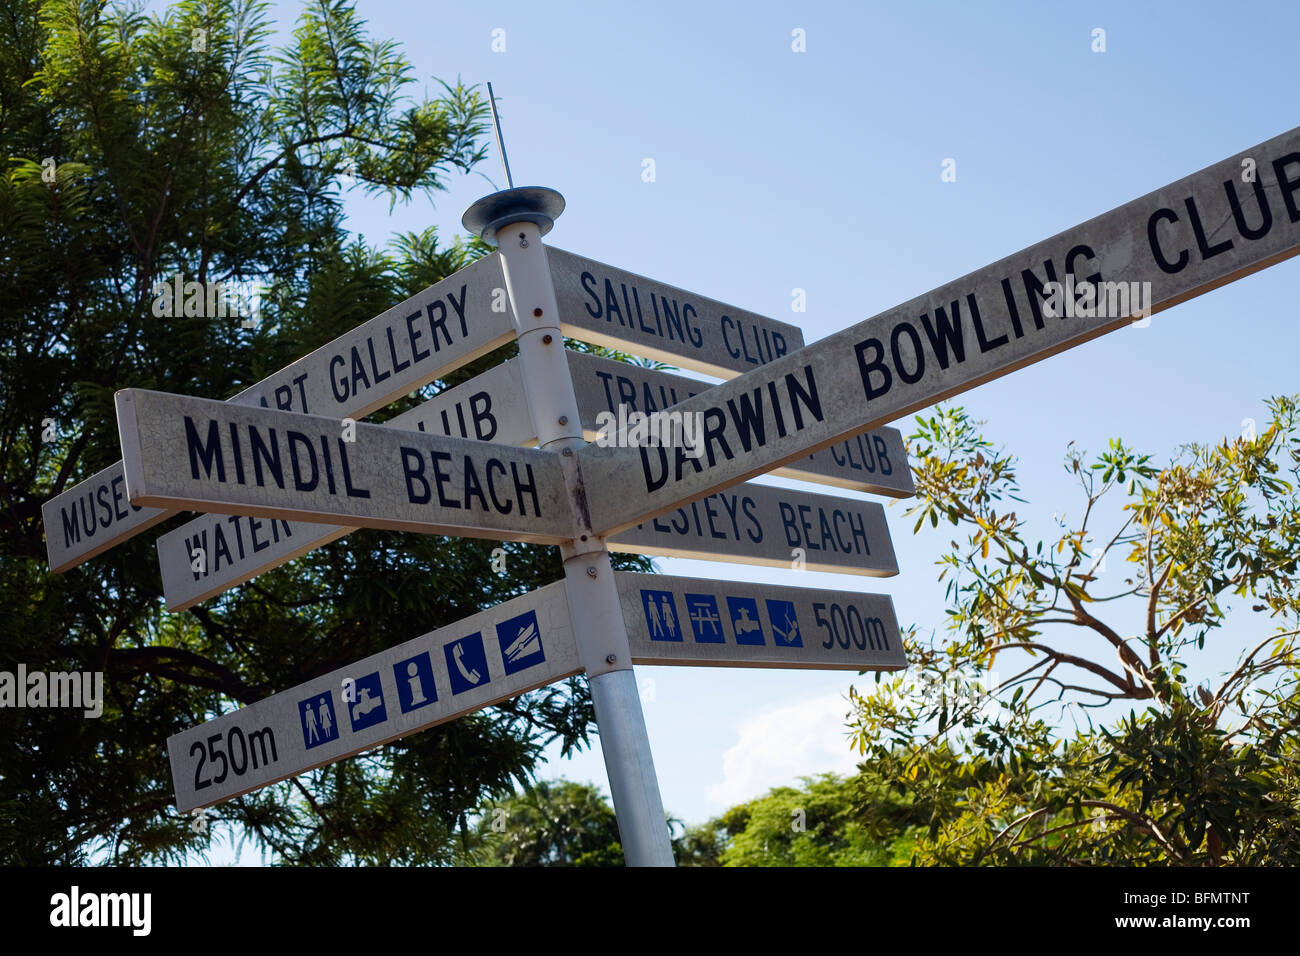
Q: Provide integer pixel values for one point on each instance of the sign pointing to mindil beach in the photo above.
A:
(213, 553)
(1147, 255)
(195, 453)
(431, 333)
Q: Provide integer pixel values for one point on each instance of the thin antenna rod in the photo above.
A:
(501, 143)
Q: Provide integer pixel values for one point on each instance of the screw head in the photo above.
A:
(564, 419)
(546, 339)
(610, 658)
(567, 453)
(591, 572)
(537, 313)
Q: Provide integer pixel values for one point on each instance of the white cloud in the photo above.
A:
(781, 745)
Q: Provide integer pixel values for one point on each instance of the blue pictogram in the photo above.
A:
(466, 663)
(706, 622)
(368, 709)
(521, 642)
(785, 625)
(661, 615)
(744, 620)
(414, 679)
(319, 725)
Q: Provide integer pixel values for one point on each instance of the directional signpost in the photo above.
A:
(196, 453)
(1162, 249)
(674, 620)
(276, 460)
(448, 324)
(488, 657)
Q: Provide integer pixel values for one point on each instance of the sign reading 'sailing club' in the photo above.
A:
(622, 310)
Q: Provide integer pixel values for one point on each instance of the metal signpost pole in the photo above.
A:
(515, 220)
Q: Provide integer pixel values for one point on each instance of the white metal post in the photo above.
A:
(511, 217)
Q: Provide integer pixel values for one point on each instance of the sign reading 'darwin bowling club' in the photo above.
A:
(1168, 246)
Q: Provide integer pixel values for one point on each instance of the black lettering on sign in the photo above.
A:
(525, 487)
(439, 459)
(206, 452)
(268, 453)
(297, 440)
(588, 282)
(1289, 186)
(485, 423)
(413, 471)
(496, 465)
(351, 489)
(945, 334)
(417, 354)
(473, 489)
(1157, 251)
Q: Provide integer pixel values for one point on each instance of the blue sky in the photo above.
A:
(820, 170)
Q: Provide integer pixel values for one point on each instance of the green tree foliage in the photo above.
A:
(1191, 772)
(817, 824)
(183, 142)
(551, 823)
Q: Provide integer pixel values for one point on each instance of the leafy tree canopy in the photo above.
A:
(137, 147)
(973, 738)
